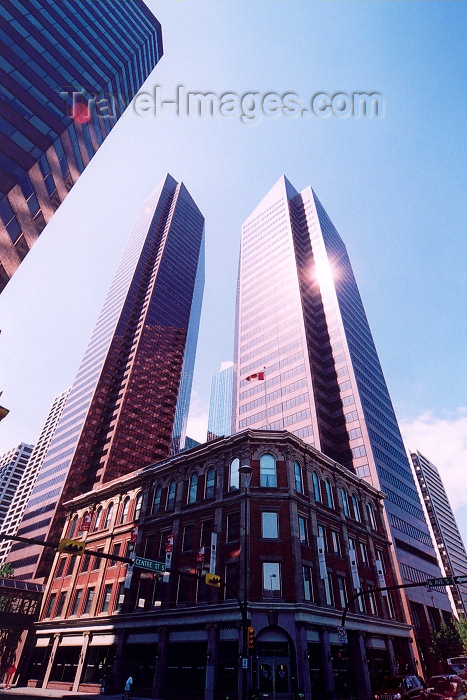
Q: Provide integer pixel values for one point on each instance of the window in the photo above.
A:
(156, 504)
(193, 488)
(73, 527)
(342, 591)
(302, 530)
(86, 562)
(97, 560)
(210, 483)
(115, 552)
(77, 601)
(307, 583)
(322, 533)
(345, 503)
(336, 545)
(271, 580)
(60, 567)
(316, 489)
(61, 604)
(363, 553)
(328, 590)
(269, 525)
(106, 598)
(51, 603)
(88, 601)
(268, 470)
(298, 478)
(234, 480)
(371, 516)
(70, 565)
(108, 516)
(356, 509)
(125, 509)
(97, 520)
(233, 527)
(120, 596)
(138, 506)
(389, 604)
(187, 544)
(360, 602)
(172, 490)
(372, 601)
(329, 498)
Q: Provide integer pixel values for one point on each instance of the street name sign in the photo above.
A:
(445, 581)
(149, 564)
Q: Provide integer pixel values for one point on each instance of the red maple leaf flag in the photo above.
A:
(258, 375)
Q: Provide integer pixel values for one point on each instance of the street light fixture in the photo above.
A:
(245, 472)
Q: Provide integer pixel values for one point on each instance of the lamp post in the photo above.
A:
(245, 472)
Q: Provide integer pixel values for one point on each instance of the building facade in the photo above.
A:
(15, 512)
(448, 539)
(13, 464)
(129, 403)
(294, 543)
(102, 52)
(305, 361)
(220, 403)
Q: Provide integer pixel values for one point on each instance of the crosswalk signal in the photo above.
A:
(213, 580)
(251, 637)
(71, 547)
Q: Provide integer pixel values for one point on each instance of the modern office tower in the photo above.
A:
(101, 51)
(128, 405)
(448, 539)
(301, 322)
(220, 403)
(22, 493)
(12, 466)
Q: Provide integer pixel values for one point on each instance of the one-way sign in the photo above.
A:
(149, 564)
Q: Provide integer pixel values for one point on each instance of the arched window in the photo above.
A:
(193, 488)
(172, 490)
(329, 497)
(371, 516)
(210, 482)
(268, 470)
(298, 478)
(234, 477)
(356, 509)
(316, 488)
(157, 500)
(108, 516)
(97, 520)
(125, 509)
(138, 505)
(345, 502)
(73, 526)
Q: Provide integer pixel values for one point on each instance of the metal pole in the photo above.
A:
(245, 470)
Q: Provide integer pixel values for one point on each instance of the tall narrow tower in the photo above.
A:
(301, 321)
(128, 405)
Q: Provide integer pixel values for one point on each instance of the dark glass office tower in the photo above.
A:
(129, 403)
(49, 49)
(301, 321)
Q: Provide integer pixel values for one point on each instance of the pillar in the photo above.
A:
(82, 656)
(51, 659)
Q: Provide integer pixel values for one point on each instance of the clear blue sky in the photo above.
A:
(394, 187)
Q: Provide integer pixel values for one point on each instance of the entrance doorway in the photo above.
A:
(273, 674)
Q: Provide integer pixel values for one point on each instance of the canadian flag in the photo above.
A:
(258, 375)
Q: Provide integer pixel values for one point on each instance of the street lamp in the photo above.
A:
(245, 471)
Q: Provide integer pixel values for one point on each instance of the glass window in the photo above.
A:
(336, 545)
(316, 488)
(120, 596)
(88, 601)
(108, 516)
(322, 533)
(363, 553)
(86, 562)
(77, 601)
(96, 564)
(390, 604)
(328, 590)
(307, 583)
(97, 520)
(329, 497)
(233, 527)
(345, 503)
(298, 478)
(372, 601)
(302, 530)
(268, 470)
(125, 509)
(210, 483)
(172, 490)
(50, 605)
(342, 591)
(269, 525)
(360, 602)
(157, 500)
(187, 544)
(61, 604)
(371, 516)
(138, 506)
(234, 480)
(107, 597)
(60, 567)
(73, 526)
(356, 509)
(193, 488)
(271, 580)
(116, 553)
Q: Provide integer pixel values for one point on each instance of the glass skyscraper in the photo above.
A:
(49, 49)
(301, 321)
(220, 403)
(128, 405)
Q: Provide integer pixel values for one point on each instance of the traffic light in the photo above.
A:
(251, 637)
(71, 547)
(213, 580)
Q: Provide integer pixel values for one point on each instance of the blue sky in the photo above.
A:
(394, 187)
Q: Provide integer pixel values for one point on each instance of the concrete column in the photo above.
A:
(51, 659)
(160, 662)
(211, 662)
(392, 658)
(303, 670)
(361, 666)
(327, 665)
(82, 656)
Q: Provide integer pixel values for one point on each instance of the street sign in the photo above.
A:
(460, 579)
(445, 581)
(342, 634)
(149, 564)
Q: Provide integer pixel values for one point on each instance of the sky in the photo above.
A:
(393, 185)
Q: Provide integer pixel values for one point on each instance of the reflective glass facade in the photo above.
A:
(121, 411)
(12, 466)
(300, 319)
(220, 403)
(49, 49)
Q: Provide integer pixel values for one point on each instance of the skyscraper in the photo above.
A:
(12, 466)
(448, 539)
(220, 403)
(128, 405)
(301, 321)
(102, 52)
(22, 493)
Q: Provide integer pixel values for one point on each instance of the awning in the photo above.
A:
(103, 640)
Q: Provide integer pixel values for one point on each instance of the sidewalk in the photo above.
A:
(47, 693)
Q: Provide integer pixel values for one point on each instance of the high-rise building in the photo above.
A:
(301, 322)
(22, 493)
(220, 403)
(101, 51)
(12, 466)
(449, 542)
(129, 403)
